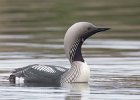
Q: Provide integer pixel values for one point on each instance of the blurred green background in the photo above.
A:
(55, 16)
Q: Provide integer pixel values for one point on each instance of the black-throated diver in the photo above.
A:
(79, 71)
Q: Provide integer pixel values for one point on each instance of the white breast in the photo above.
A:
(84, 73)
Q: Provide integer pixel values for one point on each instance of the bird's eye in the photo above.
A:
(89, 28)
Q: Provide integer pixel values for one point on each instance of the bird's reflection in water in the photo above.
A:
(76, 90)
(30, 84)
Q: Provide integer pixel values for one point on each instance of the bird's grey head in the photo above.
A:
(75, 36)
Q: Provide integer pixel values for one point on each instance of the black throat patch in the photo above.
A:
(75, 52)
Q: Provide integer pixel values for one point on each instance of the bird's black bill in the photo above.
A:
(102, 29)
(87, 35)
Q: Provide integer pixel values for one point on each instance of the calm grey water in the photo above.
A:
(114, 63)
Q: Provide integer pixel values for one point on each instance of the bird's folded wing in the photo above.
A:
(39, 72)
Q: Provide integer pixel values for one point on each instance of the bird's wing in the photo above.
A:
(39, 73)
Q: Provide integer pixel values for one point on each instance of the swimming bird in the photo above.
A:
(49, 74)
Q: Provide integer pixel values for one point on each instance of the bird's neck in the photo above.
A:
(78, 53)
(75, 53)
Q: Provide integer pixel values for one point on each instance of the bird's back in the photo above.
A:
(38, 74)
